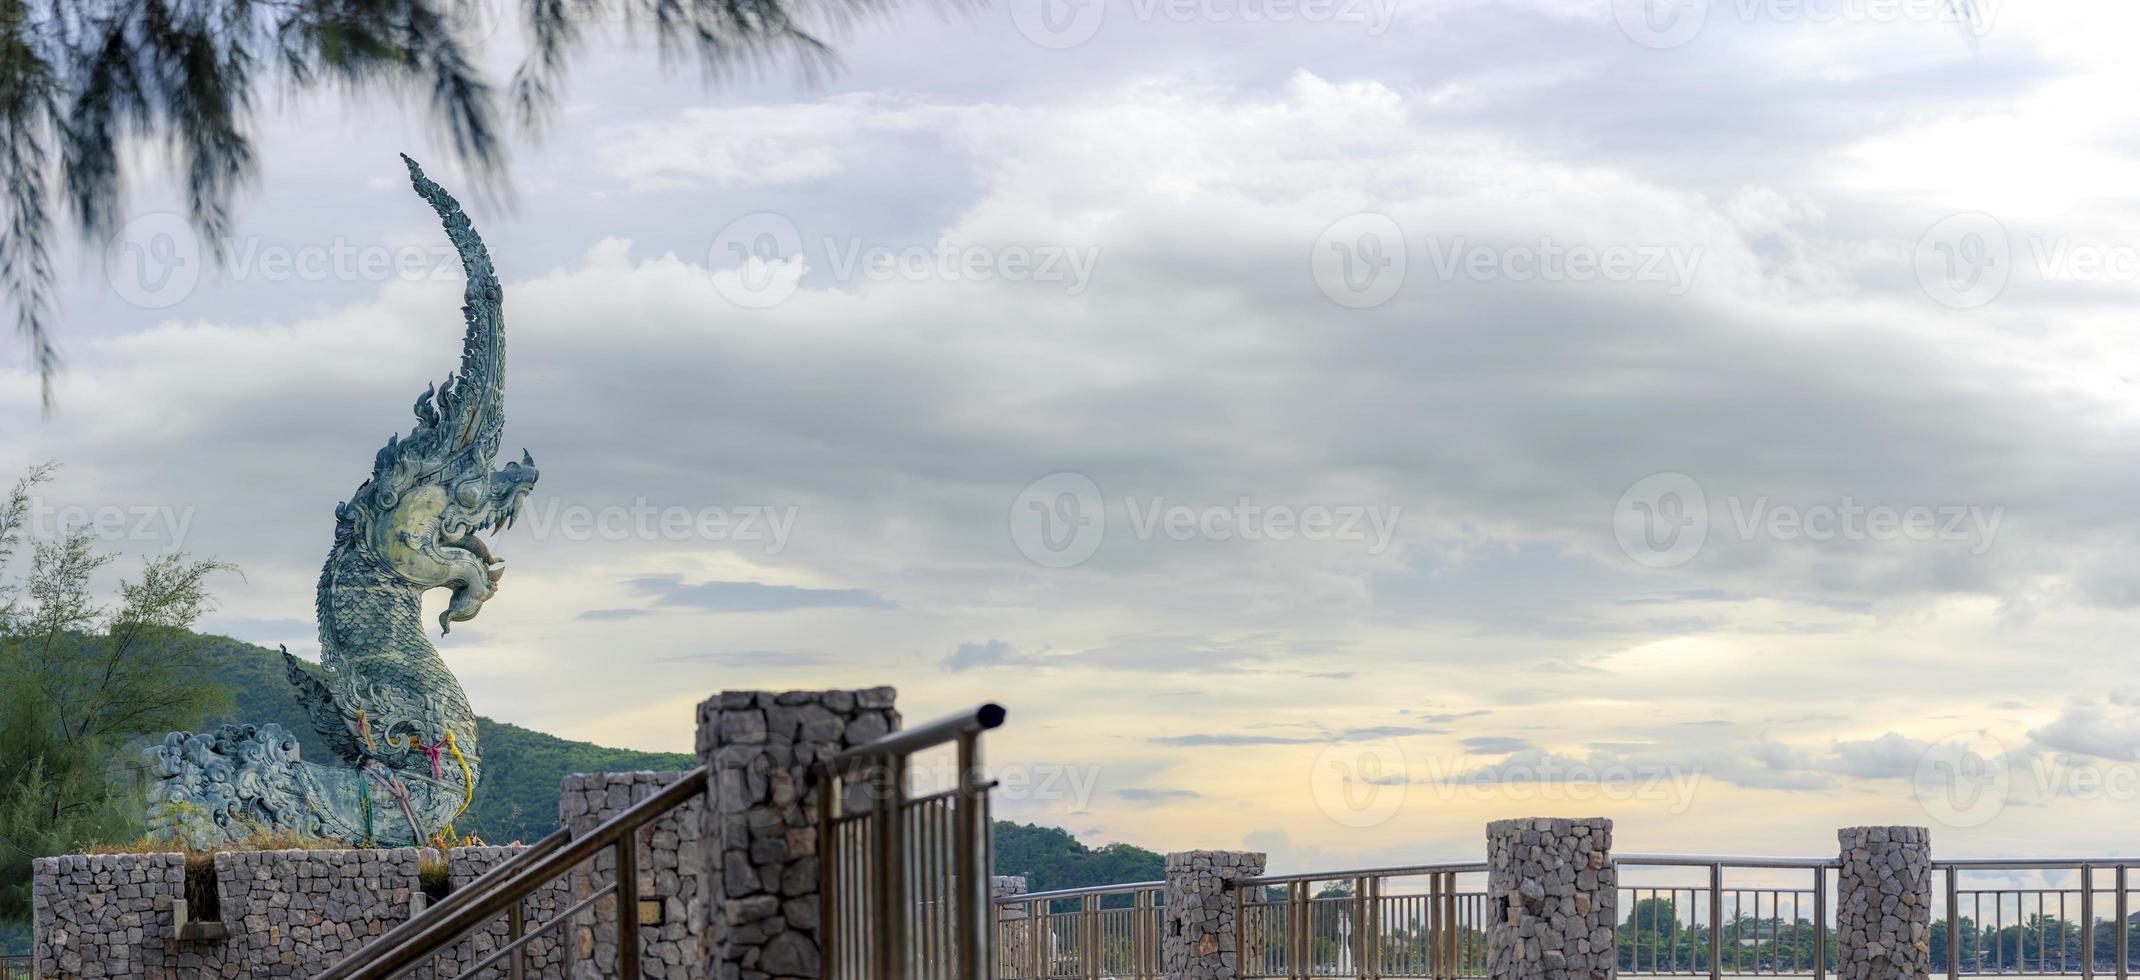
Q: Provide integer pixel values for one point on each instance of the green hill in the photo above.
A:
(517, 798)
(1051, 858)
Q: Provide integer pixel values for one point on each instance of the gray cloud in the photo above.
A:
(2103, 728)
(991, 653)
(1891, 756)
(753, 658)
(1495, 744)
(731, 597)
(1136, 795)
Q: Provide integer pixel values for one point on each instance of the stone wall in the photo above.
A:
(1883, 904)
(761, 841)
(1198, 937)
(1550, 894)
(295, 913)
(105, 915)
(673, 897)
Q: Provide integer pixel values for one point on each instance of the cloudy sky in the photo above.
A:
(1326, 426)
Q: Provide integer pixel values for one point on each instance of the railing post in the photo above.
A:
(1361, 929)
(1089, 930)
(516, 929)
(977, 911)
(1201, 932)
(1296, 928)
(628, 906)
(888, 848)
(1140, 936)
(1043, 936)
(2088, 922)
(1867, 947)
(1820, 924)
(2123, 923)
(1452, 957)
(1435, 926)
(1716, 921)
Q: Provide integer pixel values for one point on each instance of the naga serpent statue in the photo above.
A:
(381, 698)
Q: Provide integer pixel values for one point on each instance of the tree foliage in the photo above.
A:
(82, 80)
(1050, 858)
(81, 682)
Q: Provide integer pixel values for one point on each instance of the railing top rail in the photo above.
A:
(1628, 860)
(2035, 864)
(908, 741)
(384, 959)
(1400, 871)
(1060, 893)
(1727, 860)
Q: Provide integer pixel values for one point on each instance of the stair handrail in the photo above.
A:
(431, 931)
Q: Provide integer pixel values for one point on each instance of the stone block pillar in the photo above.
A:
(1013, 946)
(1198, 935)
(1883, 904)
(760, 841)
(1550, 894)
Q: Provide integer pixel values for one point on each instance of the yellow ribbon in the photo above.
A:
(468, 778)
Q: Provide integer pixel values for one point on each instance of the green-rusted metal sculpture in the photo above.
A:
(382, 698)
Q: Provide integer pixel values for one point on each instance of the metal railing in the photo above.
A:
(1675, 916)
(906, 880)
(1390, 922)
(2081, 926)
(1724, 917)
(1107, 933)
(505, 889)
(18, 967)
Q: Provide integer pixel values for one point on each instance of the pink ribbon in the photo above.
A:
(438, 770)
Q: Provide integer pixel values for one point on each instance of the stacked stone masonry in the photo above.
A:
(761, 833)
(672, 894)
(294, 913)
(1551, 890)
(105, 915)
(1883, 913)
(1199, 938)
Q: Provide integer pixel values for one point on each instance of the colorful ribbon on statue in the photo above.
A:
(433, 751)
(468, 777)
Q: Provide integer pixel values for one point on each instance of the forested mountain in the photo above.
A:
(1051, 858)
